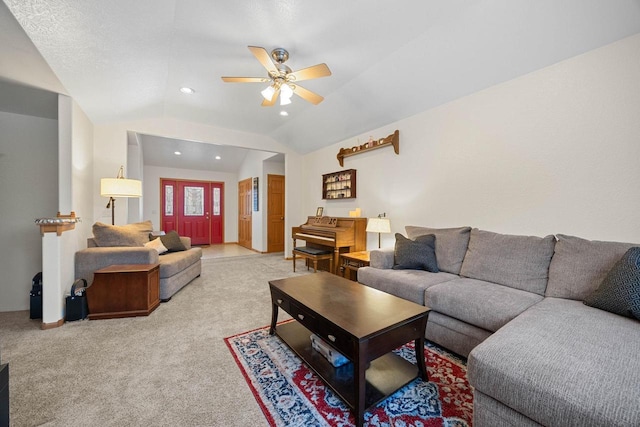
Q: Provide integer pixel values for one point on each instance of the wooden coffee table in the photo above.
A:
(362, 323)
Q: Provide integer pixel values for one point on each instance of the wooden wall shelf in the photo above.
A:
(392, 140)
(339, 185)
(59, 224)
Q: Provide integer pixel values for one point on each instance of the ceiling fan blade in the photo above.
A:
(315, 72)
(274, 98)
(245, 79)
(307, 95)
(264, 58)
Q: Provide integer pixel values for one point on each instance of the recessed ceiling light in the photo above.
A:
(284, 113)
(218, 157)
(187, 90)
(177, 153)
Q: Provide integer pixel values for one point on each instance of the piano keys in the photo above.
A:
(340, 235)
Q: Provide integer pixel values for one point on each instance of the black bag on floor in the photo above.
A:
(77, 307)
(35, 300)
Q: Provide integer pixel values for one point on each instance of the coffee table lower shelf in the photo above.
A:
(384, 376)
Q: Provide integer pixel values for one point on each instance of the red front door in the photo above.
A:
(194, 204)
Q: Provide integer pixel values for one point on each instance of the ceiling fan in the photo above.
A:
(282, 80)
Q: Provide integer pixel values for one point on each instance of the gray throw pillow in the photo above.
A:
(619, 292)
(418, 254)
(451, 245)
(171, 241)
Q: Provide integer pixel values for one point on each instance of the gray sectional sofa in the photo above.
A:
(537, 355)
(125, 245)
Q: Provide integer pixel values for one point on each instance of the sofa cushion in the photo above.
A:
(484, 304)
(520, 262)
(157, 245)
(171, 241)
(418, 254)
(579, 266)
(407, 284)
(136, 234)
(174, 262)
(562, 363)
(451, 245)
(619, 292)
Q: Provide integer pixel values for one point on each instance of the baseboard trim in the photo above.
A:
(52, 325)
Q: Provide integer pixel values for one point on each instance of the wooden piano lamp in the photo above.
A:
(379, 225)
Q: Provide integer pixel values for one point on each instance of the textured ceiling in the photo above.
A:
(126, 60)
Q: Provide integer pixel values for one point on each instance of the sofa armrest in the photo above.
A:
(91, 259)
(381, 258)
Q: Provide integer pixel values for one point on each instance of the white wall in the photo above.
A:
(82, 176)
(554, 151)
(151, 191)
(28, 190)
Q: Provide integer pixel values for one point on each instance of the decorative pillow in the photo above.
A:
(136, 234)
(157, 245)
(418, 254)
(171, 241)
(451, 245)
(619, 292)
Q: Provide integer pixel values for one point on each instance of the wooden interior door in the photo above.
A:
(275, 213)
(244, 213)
(193, 213)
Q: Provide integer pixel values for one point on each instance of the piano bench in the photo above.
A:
(314, 255)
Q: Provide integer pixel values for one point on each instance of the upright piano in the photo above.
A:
(333, 233)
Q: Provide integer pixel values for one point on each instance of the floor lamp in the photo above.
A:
(379, 225)
(119, 187)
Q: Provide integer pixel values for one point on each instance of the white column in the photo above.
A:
(53, 302)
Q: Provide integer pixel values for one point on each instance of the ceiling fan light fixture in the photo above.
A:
(268, 93)
(284, 101)
(285, 94)
(286, 91)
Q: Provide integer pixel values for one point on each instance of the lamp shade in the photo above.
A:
(268, 93)
(120, 187)
(378, 225)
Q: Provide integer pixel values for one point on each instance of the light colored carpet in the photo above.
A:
(171, 368)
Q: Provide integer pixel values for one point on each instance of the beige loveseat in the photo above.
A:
(126, 245)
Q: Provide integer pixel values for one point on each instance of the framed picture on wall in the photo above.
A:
(255, 194)
(319, 211)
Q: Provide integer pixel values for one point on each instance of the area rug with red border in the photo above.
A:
(290, 394)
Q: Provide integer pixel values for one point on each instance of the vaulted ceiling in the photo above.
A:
(126, 60)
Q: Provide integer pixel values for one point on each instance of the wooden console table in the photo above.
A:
(124, 291)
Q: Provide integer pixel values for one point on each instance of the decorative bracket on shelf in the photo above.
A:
(372, 144)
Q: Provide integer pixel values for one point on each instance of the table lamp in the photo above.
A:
(379, 225)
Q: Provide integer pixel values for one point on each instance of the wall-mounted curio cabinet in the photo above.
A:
(339, 185)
